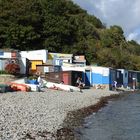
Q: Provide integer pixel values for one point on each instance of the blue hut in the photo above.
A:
(132, 79)
(124, 77)
(103, 77)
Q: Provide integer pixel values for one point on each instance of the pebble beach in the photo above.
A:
(27, 115)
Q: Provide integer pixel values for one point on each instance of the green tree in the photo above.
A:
(62, 26)
(21, 24)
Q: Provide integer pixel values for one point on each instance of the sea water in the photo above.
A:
(119, 120)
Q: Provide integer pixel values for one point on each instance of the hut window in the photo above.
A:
(118, 75)
(130, 75)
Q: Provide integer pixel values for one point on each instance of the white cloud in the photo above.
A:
(131, 36)
(124, 13)
(134, 36)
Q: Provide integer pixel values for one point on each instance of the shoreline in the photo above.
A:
(76, 118)
(50, 115)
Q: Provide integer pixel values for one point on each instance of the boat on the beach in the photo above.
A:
(23, 81)
(60, 86)
(19, 87)
(50, 85)
(4, 88)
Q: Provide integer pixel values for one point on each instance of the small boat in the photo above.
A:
(4, 88)
(19, 87)
(23, 81)
(57, 86)
(50, 85)
(33, 87)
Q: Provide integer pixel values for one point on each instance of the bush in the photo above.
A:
(34, 77)
(12, 68)
(3, 72)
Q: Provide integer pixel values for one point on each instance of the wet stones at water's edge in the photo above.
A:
(75, 118)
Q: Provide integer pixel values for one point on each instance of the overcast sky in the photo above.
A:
(125, 13)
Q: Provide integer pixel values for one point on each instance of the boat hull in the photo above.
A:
(61, 86)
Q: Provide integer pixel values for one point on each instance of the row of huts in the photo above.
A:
(57, 67)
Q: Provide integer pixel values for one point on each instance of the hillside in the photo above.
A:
(62, 26)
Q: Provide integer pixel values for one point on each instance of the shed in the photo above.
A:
(124, 73)
(9, 53)
(103, 77)
(24, 66)
(3, 63)
(34, 64)
(45, 68)
(60, 58)
(138, 79)
(69, 77)
(86, 73)
(132, 79)
(41, 55)
(79, 59)
(119, 78)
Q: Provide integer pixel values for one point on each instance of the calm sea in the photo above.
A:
(119, 120)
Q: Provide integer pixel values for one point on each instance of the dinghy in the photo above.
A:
(60, 86)
(19, 87)
(24, 82)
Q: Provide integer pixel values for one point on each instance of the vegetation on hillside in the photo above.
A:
(62, 26)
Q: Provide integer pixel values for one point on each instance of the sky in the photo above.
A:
(125, 13)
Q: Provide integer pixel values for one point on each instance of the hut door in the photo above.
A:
(66, 78)
(87, 77)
